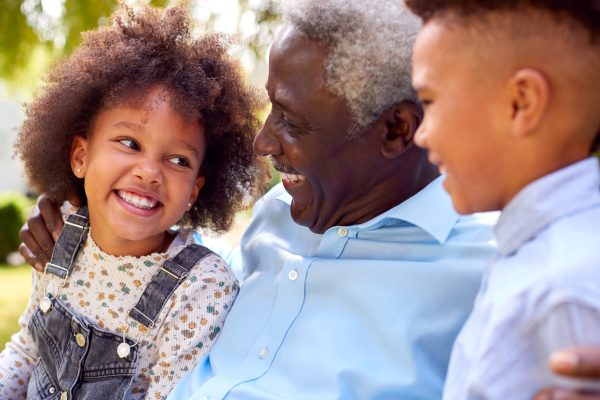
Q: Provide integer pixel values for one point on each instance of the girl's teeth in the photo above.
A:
(138, 201)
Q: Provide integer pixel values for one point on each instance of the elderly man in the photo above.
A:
(357, 274)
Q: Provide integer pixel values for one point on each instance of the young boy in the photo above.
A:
(511, 92)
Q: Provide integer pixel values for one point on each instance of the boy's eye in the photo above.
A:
(425, 102)
(127, 142)
(181, 161)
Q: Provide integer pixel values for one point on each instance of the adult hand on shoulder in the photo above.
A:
(579, 362)
(40, 232)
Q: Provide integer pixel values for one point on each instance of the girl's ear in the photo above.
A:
(79, 156)
(195, 191)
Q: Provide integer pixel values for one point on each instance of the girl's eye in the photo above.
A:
(181, 161)
(127, 142)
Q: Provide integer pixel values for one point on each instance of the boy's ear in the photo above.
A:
(401, 123)
(529, 95)
(79, 156)
(196, 191)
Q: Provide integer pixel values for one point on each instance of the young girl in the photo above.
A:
(148, 127)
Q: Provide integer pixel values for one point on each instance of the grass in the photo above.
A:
(15, 287)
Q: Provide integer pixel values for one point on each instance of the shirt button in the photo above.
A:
(64, 396)
(80, 339)
(293, 275)
(263, 352)
(51, 390)
(342, 232)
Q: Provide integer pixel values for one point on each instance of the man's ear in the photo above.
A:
(79, 156)
(401, 123)
(529, 92)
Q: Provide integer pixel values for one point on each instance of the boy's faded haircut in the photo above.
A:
(585, 12)
(578, 21)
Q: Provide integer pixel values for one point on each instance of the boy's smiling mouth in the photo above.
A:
(136, 200)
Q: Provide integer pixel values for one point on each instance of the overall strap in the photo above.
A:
(69, 243)
(171, 274)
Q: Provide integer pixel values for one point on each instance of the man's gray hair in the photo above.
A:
(369, 49)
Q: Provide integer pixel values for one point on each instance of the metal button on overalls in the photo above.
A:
(80, 339)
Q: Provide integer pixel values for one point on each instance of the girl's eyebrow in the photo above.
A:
(137, 127)
(129, 125)
(188, 147)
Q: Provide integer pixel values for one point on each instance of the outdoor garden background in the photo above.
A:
(34, 33)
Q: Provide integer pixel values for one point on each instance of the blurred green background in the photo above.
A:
(34, 34)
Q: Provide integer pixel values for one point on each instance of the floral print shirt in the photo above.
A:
(104, 288)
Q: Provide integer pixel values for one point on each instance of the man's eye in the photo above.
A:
(127, 142)
(181, 161)
(291, 128)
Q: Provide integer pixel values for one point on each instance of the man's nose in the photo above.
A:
(148, 170)
(266, 142)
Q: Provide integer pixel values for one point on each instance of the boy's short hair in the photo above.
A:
(117, 65)
(577, 22)
(585, 12)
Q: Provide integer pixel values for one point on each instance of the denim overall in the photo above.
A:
(77, 359)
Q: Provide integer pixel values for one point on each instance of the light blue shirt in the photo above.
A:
(542, 292)
(367, 311)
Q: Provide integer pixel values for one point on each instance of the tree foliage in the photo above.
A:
(27, 30)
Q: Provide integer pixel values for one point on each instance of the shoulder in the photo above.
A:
(569, 248)
(208, 263)
(206, 293)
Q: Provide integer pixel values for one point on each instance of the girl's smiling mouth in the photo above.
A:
(137, 201)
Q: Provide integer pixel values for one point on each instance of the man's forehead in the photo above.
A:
(296, 68)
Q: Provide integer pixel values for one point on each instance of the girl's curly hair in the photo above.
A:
(117, 65)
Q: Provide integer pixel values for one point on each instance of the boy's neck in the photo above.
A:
(533, 169)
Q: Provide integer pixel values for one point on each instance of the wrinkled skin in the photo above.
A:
(334, 177)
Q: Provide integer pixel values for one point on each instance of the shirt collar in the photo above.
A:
(430, 209)
(566, 191)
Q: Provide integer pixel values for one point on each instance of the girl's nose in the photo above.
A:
(148, 171)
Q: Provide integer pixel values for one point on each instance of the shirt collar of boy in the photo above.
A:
(563, 192)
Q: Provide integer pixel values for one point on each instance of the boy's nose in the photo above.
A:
(266, 143)
(148, 171)
(421, 137)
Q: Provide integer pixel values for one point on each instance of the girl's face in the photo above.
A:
(141, 173)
